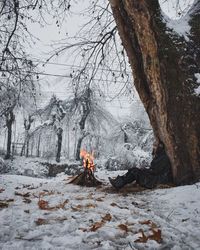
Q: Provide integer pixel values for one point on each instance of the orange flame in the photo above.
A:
(88, 159)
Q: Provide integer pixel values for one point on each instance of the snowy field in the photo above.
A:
(52, 214)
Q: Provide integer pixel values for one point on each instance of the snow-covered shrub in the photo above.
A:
(130, 146)
(128, 157)
(113, 164)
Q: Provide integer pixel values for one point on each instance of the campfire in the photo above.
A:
(87, 178)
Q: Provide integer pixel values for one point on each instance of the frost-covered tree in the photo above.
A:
(18, 90)
(52, 116)
(91, 114)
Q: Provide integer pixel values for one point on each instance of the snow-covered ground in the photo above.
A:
(52, 214)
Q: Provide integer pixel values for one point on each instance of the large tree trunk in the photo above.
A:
(163, 65)
(10, 118)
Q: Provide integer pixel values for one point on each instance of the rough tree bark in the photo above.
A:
(163, 65)
(10, 118)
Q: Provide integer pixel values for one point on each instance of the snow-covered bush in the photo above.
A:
(127, 157)
(130, 146)
(114, 164)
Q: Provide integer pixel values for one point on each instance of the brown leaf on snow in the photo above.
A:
(62, 205)
(123, 227)
(2, 190)
(44, 205)
(149, 222)
(96, 226)
(107, 217)
(156, 235)
(46, 192)
(90, 205)
(23, 194)
(143, 238)
(77, 208)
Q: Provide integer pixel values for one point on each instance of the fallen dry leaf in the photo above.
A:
(123, 227)
(107, 217)
(77, 208)
(156, 235)
(41, 221)
(143, 238)
(62, 205)
(44, 205)
(148, 222)
(46, 193)
(90, 205)
(96, 226)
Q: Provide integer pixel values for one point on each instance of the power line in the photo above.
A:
(57, 75)
(66, 65)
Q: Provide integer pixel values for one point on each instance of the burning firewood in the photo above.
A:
(86, 178)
